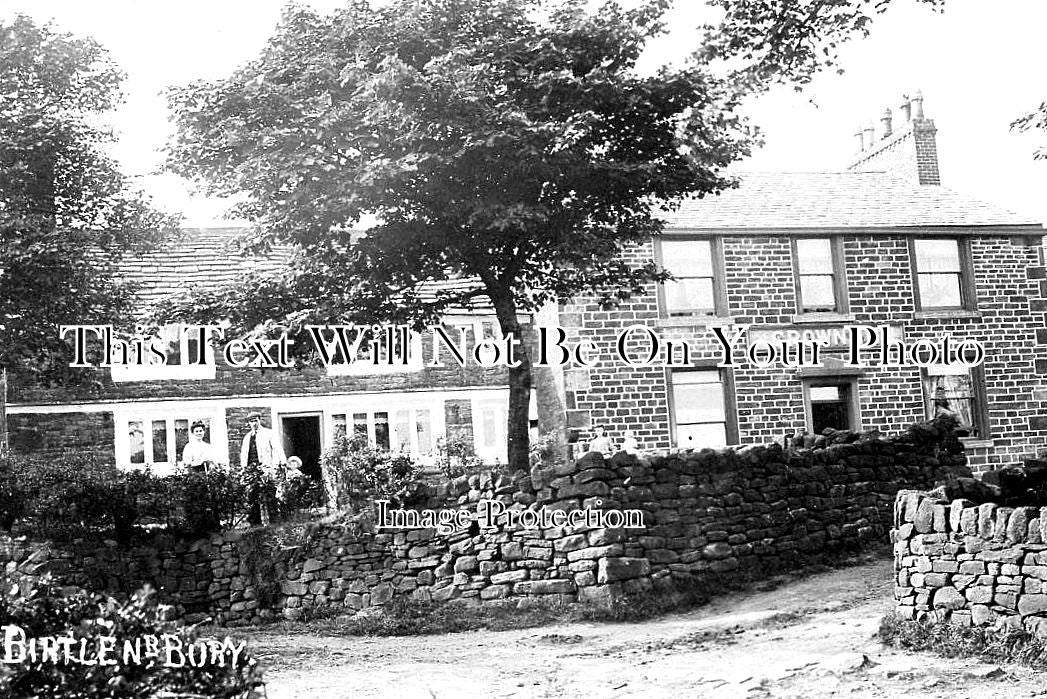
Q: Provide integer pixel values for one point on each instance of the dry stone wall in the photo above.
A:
(970, 564)
(707, 516)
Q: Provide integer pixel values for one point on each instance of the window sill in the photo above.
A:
(802, 318)
(693, 321)
(947, 313)
(977, 443)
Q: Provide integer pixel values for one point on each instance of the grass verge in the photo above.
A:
(955, 641)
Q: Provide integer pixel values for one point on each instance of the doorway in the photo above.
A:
(830, 404)
(301, 437)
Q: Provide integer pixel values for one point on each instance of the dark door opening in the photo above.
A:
(831, 407)
(302, 439)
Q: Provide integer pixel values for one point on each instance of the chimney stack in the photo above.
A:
(886, 121)
(909, 151)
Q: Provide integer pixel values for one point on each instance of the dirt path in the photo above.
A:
(808, 638)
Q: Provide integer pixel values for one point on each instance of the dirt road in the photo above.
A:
(808, 638)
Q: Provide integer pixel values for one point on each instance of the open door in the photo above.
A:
(301, 436)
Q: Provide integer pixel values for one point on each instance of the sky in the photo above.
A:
(978, 65)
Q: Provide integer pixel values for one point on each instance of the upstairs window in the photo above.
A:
(940, 266)
(696, 288)
(819, 276)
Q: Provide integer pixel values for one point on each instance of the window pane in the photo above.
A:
(952, 395)
(360, 424)
(937, 255)
(940, 291)
(690, 295)
(137, 442)
(698, 402)
(490, 427)
(688, 258)
(173, 339)
(381, 430)
(160, 441)
(814, 256)
(182, 435)
(402, 431)
(425, 432)
(817, 293)
(339, 425)
(701, 436)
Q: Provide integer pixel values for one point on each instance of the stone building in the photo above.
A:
(804, 255)
(785, 256)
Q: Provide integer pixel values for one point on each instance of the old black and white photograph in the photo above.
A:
(522, 349)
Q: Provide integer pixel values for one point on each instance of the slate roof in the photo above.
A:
(212, 257)
(763, 201)
(200, 256)
(795, 200)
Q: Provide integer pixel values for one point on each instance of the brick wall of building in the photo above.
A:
(768, 402)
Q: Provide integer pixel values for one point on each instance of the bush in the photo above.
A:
(356, 474)
(70, 497)
(456, 457)
(41, 609)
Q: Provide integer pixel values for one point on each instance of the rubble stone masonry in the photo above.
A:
(707, 516)
(970, 564)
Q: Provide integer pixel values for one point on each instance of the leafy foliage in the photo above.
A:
(356, 474)
(41, 608)
(767, 42)
(66, 213)
(1034, 120)
(505, 144)
(456, 457)
(69, 497)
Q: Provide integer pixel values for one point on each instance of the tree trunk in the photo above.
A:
(517, 429)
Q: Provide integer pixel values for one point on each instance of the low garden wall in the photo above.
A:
(970, 564)
(708, 514)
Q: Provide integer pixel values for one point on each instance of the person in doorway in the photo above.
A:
(198, 454)
(601, 442)
(261, 458)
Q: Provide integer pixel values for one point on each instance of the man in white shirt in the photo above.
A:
(260, 447)
(260, 454)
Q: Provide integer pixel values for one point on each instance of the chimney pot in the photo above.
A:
(886, 121)
(870, 134)
(906, 108)
(861, 139)
(918, 105)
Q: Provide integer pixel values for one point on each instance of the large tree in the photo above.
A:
(509, 143)
(66, 211)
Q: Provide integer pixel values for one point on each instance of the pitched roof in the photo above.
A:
(794, 200)
(213, 257)
(762, 201)
(200, 256)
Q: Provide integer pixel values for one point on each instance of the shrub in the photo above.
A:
(456, 457)
(356, 474)
(956, 641)
(41, 609)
